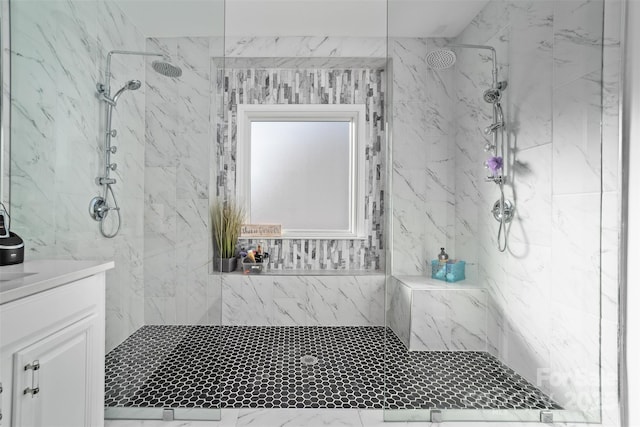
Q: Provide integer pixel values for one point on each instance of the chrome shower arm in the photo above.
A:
(107, 72)
(494, 70)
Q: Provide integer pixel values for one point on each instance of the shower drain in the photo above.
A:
(309, 360)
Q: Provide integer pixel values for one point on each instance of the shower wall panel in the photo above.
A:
(546, 287)
(176, 165)
(58, 55)
(610, 227)
(182, 125)
(423, 157)
(559, 274)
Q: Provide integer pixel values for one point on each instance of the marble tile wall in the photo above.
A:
(428, 315)
(5, 149)
(563, 176)
(398, 309)
(423, 155)
(557, 172)
(304, 47)
(449, 319)
(176, 190)
(58, 55)
(319, 300)
(182, 121)
(303, 85)
(578, 65)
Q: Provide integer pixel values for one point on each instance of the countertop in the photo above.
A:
(21, 280)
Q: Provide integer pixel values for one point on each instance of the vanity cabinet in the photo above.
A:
(52, 356)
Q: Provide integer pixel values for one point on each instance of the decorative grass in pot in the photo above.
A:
(226, 219)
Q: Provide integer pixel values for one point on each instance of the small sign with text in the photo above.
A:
(260, 230)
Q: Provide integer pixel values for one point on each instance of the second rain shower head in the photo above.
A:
(441, 59)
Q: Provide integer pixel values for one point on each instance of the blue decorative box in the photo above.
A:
(449, 272)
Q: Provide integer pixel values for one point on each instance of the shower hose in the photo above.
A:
(115, 207)
(502, 228)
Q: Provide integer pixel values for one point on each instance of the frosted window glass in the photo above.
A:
(300, 174)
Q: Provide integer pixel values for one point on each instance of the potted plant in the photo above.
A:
(226, 219)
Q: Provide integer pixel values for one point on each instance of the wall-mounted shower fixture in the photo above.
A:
(130, 85)
(493, 128)
(441, 59)
(503, 210)
(99, 206)
(494, 94)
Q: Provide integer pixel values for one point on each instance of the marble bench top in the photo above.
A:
(427, 283)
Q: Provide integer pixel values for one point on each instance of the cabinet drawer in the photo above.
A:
(38, 315)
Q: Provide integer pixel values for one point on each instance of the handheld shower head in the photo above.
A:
(130, 85)
(492, 95)
(441, 59)
(133, 85)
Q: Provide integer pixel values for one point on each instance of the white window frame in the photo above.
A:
(355, 114)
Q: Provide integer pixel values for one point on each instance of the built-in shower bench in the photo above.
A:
(429, 314)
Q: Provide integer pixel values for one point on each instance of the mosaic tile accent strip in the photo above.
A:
(304, 367)
(236, 86)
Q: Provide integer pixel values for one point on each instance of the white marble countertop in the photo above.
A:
(21, 280)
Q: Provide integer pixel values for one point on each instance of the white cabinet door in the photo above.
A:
(54, 390)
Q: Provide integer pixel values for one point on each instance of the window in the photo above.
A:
(302, 166)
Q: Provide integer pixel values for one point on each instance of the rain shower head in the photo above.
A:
(161, 67)
(166, 69)
(441, 59)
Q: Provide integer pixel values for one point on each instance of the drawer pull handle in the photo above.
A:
(32, 391)
(35, 366)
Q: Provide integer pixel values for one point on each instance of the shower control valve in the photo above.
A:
(503, 211)
(489, 147)
(98, 208)
(113, 166)
(113, 149)
(113, 133)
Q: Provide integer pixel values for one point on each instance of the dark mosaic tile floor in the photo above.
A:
(304, 367)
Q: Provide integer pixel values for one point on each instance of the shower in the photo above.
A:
(441, 59)
(99, 206)
(503, 210)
